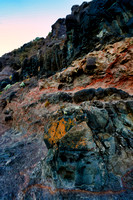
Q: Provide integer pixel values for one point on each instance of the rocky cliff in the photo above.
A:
(67, 133)
(89, 27)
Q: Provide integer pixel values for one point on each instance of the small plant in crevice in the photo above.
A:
(46, 103)
(22, 84)
(7, 87)
(10, 77)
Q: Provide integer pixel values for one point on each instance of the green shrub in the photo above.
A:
(7, 87)
(36, 39)
(22, 84)
(50, 34)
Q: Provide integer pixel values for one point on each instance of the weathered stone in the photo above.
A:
(84, 95)
(100, 93)
(59, 29)
(90, 26)
(86, 152)
(59, 97)
(82, 115)
(129, 105)
(90, 65)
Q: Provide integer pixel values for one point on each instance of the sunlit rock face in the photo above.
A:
(89, 27)
(69, 134)
(67, 144)
(94, 24)
(90, 146)
(74, 146)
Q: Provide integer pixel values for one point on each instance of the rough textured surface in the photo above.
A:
(19, 157)
(90, 146)
(89, 27)
(94, 24)
(70, 135)
(110, 67)
(89, 143)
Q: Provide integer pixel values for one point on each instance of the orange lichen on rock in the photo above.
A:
(58, 129)
(79, 137)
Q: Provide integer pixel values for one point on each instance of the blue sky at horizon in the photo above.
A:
(23, 20)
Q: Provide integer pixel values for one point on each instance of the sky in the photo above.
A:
(23, 20)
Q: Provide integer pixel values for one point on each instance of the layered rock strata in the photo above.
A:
(69, 134)
(88, 136)
(89, 27)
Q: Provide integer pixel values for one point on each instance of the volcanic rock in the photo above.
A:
(89, 27)
(66, 104)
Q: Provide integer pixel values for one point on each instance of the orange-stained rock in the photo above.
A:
(78, 137)
(57, 130)
(66, 130)
(110, 67)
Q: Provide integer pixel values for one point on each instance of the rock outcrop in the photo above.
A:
(66, 104)
(88, 136)
(90, 146)
(95, 24)
(89, 27)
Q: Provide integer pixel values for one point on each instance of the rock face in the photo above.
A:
(69, 134)
(88, 135)
(8, 76)
(89, 26)
(90, 146)
(110, 67)
(94, 24)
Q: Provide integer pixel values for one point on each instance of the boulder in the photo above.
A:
(84, 95)
(93, 153)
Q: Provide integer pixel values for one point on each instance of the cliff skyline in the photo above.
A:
(23, 21)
